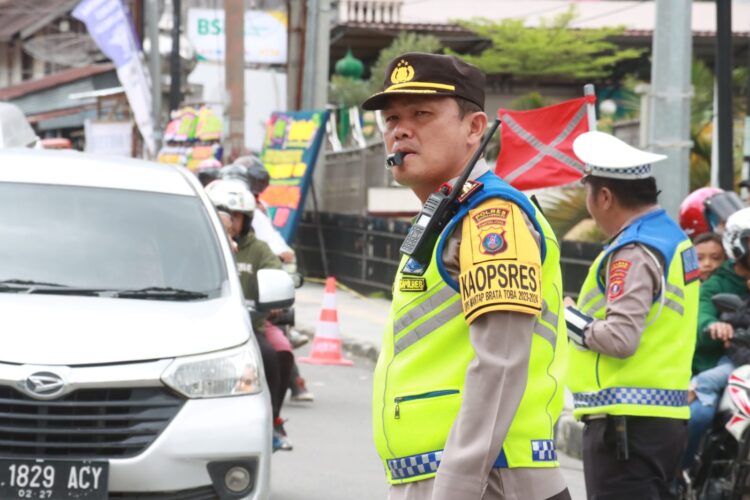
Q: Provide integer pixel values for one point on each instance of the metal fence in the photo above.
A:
(363, 252)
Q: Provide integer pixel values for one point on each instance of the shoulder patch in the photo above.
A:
(690, 265)
(618, 271)
(500, 261)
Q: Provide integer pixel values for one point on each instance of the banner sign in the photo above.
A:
(290, 150)
(109, 24)
(265, 35)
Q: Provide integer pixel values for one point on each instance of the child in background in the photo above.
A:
(710, 253)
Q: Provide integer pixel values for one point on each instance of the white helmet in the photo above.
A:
(736, 234)
(233, 196)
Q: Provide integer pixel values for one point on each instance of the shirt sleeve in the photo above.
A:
(495, 383)
(632, 281)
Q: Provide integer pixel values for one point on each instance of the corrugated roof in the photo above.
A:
(69, 75)
(30, 15)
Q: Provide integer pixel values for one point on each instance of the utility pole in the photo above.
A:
(746, 147)
(310, 53)
(234, 64)
(296, 59)
(724, 91)
(323, 49)
(670, 92)
(154, 63)
(175, 94)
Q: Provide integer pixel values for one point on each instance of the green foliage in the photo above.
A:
(552, 49)
(405, 42)
(532, 100)
(346, 92)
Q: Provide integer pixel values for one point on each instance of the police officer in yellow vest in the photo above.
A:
(468, 386)
(633, 329)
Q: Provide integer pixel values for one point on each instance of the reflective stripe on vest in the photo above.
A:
(630, 396)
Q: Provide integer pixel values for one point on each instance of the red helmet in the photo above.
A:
(693, 211)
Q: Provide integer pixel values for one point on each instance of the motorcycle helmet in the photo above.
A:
(254, 173)
(231, 196)
(208, 171)
(234, 172)
(693, 211)
(736, 401)
(736, 234)
(720, 207)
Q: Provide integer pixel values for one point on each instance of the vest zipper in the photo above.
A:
(432, 394)
(598, 384)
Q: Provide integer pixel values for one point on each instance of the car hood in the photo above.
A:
(73, 330)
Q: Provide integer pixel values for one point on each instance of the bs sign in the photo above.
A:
(265, 35)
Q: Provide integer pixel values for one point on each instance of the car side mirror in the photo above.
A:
(275, 290)
(727, 302)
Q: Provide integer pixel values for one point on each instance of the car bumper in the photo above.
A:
(204, 431)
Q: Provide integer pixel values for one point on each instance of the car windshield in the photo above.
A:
(109, 239)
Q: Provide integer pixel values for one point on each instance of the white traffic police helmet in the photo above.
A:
(231, 196)
(605, 155)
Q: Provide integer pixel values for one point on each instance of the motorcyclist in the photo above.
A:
(253, 255)
(251, 171)
(713, 334)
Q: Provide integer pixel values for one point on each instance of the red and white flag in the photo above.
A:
(537, 145)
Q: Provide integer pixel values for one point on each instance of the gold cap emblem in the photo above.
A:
(402, 73)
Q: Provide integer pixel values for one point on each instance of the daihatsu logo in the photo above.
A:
(44, 385)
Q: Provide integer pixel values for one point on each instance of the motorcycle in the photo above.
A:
(721, 469)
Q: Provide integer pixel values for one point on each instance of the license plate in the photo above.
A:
(53, 479)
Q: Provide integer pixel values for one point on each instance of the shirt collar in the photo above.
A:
(478, 171)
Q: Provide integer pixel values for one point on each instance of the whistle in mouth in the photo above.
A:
(395, 160)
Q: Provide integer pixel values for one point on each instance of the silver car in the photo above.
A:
(128, 367)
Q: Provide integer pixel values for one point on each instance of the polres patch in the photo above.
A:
(690, 265)
(618, 271)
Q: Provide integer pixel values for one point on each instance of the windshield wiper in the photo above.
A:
(161, 293)
(32, 286)
(29, 283)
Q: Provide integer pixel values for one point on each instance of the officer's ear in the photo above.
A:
(477, 127)
(605, 198)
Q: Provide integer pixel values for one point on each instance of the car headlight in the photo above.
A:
(233, 372)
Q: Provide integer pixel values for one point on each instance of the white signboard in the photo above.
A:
(265, 92)
(108, 138)
(265, 35)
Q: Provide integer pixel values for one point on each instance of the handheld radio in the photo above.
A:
(438, 210)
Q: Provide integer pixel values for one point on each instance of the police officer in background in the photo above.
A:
(633, 328)
(468, 385)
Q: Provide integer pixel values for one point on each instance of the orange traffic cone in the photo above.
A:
(326, 346)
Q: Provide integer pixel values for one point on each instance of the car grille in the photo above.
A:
(113, 423)
(205, 493)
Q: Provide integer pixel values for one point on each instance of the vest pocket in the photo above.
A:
(399, 400)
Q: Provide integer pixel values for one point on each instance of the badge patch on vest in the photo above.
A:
(500, 262)
(690, 265)
(618, 271)
(413, 267)
(412, 284)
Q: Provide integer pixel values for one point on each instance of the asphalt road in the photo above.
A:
(333, 456)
